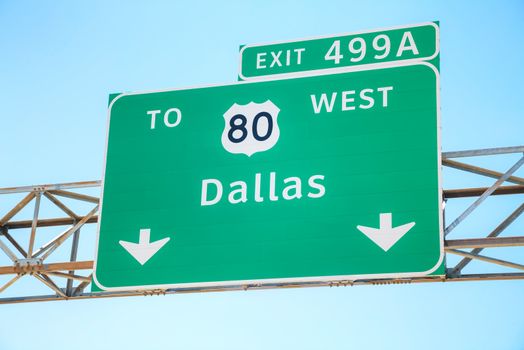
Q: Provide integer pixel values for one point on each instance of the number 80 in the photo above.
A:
(238, 123)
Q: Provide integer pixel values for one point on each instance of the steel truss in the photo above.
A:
(75, 275)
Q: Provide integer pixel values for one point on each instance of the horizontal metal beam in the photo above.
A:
(481, 171)
(483, 152)
(461, 278)
(64, 266)
(477, 191)
(49, 187)
(486, 277)
(489, 242)
(49, 222)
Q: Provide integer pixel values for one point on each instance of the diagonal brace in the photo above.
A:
(503, 225)
(48, 282)
(61, 205)
(485, 195)
(8, 251)
(14, 242)
(60, 239)
(486, 259)
(17, 208)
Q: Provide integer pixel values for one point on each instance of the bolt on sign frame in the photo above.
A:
(68, 279)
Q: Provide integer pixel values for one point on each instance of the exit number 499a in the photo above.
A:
(343, 51)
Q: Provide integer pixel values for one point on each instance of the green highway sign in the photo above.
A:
(319, 178)
(376, 47)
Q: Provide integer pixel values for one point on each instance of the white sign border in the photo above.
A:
(283, 281)
(335, 69)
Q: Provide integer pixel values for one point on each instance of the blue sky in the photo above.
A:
(59, 62)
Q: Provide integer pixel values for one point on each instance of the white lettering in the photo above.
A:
(261, 60)
(317, 186)
(218, 196)
(178, 117)
(360, 50)
(384, 91)
(153, 117)
(369, 99)
(299, 54)
(242, 190)
(346, 100)
(317, 107)
(276, 59)
(385, 47)
(297, 186)
(350, 100)
(333, 53)
(411, 46)
(272, 196)
(258, 197)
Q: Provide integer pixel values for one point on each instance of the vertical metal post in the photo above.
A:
(74, 252)
(34, 225)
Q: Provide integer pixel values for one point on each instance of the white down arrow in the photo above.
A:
(386, 235)
(144, 249)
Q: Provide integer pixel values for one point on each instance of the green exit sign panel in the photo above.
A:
(373, 48)
(320, 178)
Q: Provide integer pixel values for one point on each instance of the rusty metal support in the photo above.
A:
(483, 152)
(34, 264)
(488, 242)
(9, 283)
(8, 251)
(66, 235)
(50, 187)
(34, 225)
(17, 208)
(484, 195)
(73, 195)
(481, 171)
(48, 222)
(486, 259)
(74, 252)
(80, 288)
(477, 191)
(497, 231)
(48, 282)
(51, 267)
(14, 243)
(69, 276)
(61, 205)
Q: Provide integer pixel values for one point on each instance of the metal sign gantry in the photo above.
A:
(69, 278)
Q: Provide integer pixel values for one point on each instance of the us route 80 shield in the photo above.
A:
(319, 178)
